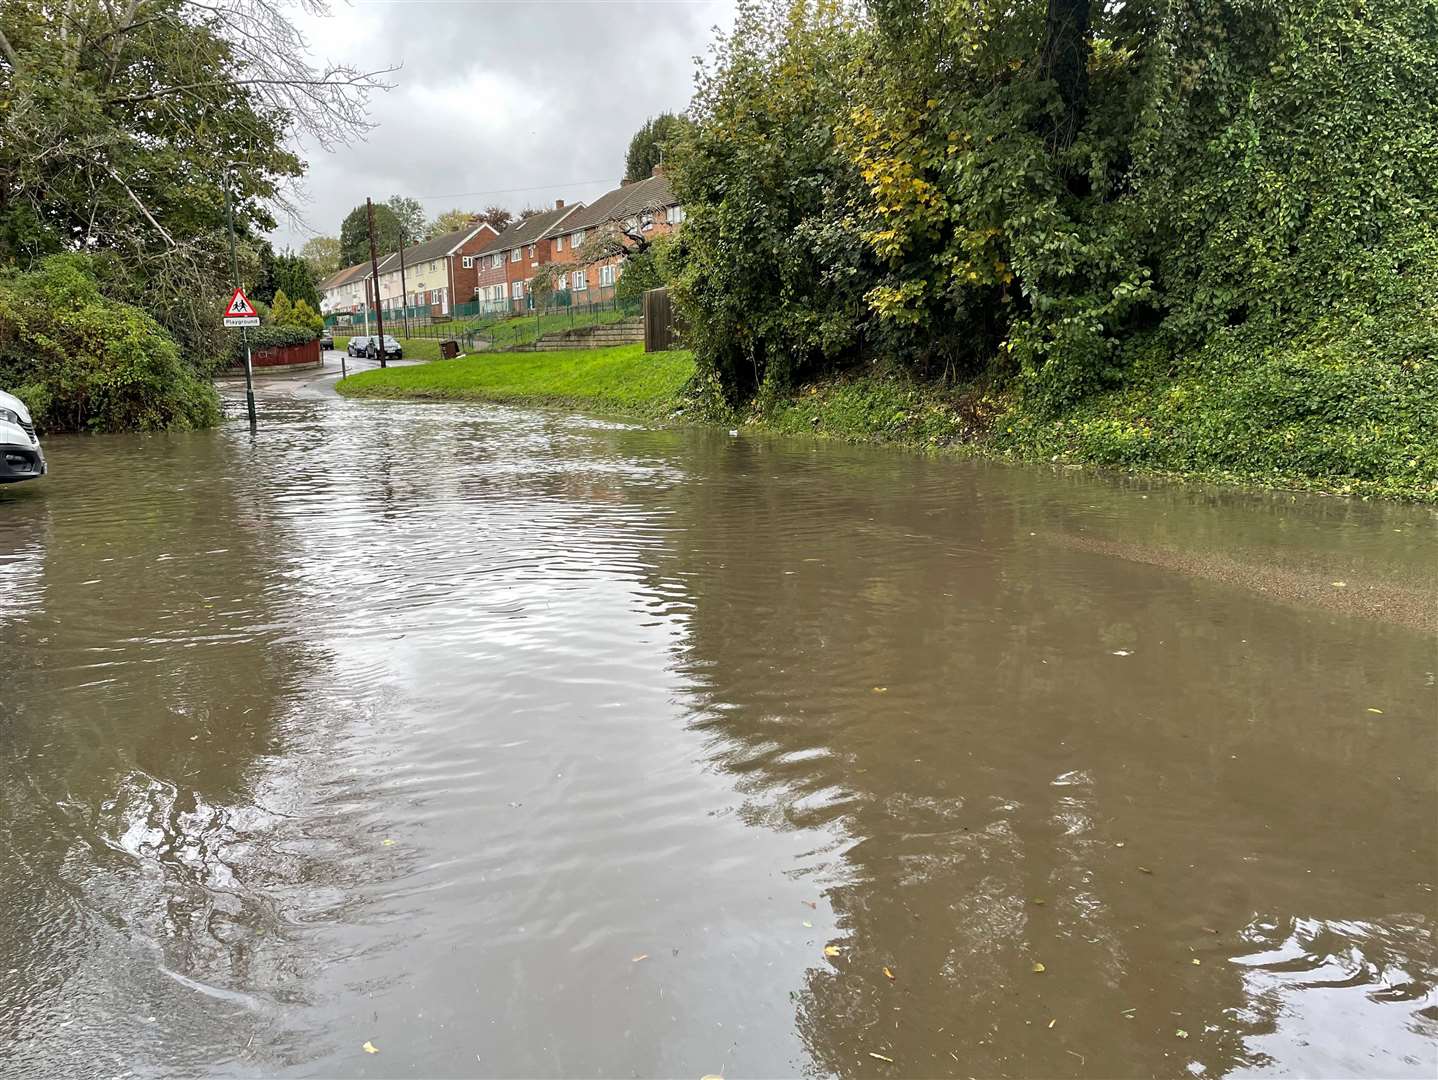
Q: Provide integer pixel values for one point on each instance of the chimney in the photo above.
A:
(559, 204)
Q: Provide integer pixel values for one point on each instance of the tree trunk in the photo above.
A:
(1065, 61)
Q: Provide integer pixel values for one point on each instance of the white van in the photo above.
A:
(20, 455)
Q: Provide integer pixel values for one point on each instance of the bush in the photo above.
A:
(267, 337)
(81, 362)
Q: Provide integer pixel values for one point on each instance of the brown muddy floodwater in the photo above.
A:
(520, 744)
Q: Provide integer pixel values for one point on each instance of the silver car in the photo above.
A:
(20, 455)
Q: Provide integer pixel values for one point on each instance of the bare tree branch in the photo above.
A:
(9, 51)
(136, 199)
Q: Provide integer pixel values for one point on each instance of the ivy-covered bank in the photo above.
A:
(1195, 236)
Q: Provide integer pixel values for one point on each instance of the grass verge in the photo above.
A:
(624, 379)
(1309, 416)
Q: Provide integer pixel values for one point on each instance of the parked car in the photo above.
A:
(20, 455)
(356, 346)
(327, 340)
(392, 348)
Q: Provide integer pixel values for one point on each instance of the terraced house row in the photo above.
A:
(580, 249)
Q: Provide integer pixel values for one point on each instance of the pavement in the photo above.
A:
(309, 382)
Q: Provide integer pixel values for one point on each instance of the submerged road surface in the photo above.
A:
(458, 741)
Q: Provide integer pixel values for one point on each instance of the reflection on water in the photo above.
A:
(517, 744)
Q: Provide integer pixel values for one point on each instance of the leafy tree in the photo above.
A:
(82, 362)
(410, 215)
(120, 124)
(322, 253)
(454, 220)
(774, 272)
(354, 234)
(281, 310)
(651, 143)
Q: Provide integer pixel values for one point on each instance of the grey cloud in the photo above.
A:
(493, 98)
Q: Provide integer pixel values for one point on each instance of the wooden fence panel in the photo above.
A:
(662, 331)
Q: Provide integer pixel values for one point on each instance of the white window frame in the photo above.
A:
(606, 275)
(675, 214)
(531, 251)
(580, 280)
(558, 244)
(576, 238)
(518, 290)
(496, 260)
(467, 262)
(514, 254)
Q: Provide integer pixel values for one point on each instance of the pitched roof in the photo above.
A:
(344, 277)
(435, 248)
(651, 193)
(533, 228)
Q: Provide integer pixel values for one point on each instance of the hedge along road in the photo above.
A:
(451, 739)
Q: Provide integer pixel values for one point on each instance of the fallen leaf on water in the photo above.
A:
(1196, 961)
(888, 974)
(881, 1057)
(1053, 1021)
(1037, 902)
(369, 1047)
(1144, 870)
(1180, 1033)
(1376, 712)
(712, 1076)
(808, 923)
(1038, 969)
(881, 689)
(831, 950)
(387, 842)
(1340, 584)
(641, 956)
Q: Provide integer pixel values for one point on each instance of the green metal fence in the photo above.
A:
(557, 316)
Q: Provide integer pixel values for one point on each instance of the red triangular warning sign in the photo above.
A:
(239, 305)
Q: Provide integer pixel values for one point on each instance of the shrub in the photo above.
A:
(81, 362)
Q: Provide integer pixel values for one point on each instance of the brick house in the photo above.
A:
(618, 222)
(438, 273)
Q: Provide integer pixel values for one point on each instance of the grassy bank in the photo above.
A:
(1305, 418)
(623, 380)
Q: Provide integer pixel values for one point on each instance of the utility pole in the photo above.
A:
(403, 288)
(374, 269)
(244, 334)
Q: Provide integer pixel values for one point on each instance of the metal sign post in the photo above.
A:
(244, 335)
(374, 269)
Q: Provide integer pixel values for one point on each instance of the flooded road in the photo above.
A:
(456, 741)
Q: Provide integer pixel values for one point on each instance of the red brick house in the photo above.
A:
(510, 260)
(594, 242)
(438, 273)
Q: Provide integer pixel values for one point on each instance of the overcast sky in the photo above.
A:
(512, 103)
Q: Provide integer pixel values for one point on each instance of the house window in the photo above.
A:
(576, 238)
(580, 280)
(514, 255)
(559, 243)
(531, 251)
(675, 214)
(647, 220)
(496, 261)
(606, 275)
(518, 290)
(468, 262)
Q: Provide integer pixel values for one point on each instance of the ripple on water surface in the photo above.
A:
(521, 744)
